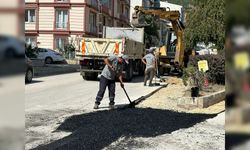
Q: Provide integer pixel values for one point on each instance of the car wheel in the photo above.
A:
(48, 60)
(29, 76)
(90, 76)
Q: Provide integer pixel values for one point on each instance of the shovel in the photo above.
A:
(131, 104)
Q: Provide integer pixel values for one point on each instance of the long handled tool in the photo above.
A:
(156, 73)
(131, 104)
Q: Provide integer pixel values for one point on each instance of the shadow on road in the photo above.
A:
(34, 81)
(99, 129)
(234, 140)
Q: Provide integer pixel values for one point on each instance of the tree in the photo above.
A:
(30, 52)
(205, 22)
(151, 31)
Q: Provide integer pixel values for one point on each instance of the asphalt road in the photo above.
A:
(48, 100)
(67, 90)
(59, 116)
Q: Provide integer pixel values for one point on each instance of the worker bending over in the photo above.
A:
(114, 67)
(149, 61)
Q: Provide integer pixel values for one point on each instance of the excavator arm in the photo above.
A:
(162, 13)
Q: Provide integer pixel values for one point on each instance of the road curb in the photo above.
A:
(54, 70)
(201, 102)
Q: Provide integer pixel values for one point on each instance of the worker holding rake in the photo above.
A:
(114, 67)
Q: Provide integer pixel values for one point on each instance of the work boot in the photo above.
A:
(111, 106)
(96, 106)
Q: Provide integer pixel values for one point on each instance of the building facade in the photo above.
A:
(11, 16)
(54, 23)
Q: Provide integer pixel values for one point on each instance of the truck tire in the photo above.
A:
(129, 72)
(141, 68)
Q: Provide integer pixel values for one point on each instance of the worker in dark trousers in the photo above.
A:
(149, 61)
(114, 67)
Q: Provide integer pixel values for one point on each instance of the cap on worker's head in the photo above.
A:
(124, 57)
(152, 49)
(147, 50)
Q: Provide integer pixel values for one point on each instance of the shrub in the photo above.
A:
(69, 51)
(30, 52)
(194, 76)
(216, 64)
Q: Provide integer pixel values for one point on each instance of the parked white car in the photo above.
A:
(202, 49)
(49, 56)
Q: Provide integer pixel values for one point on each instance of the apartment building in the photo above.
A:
(54, 23)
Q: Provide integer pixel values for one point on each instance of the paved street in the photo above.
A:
(59, 115)
(71, 91)
(49, 98)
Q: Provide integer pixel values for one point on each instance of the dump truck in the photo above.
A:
(92, 51)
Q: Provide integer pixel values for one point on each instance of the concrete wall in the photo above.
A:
(30, 1)
(45, 40)
(46, 1)
(77, 18)
(79, 1)
(46, 18)
(30, 26)
(10, 24)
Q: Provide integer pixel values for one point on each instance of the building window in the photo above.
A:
(62, 1)
(110, 23)
(126, 12)
(107, 3)
(60, 43)
(94, 3)
(30, 41)
(92, 22)
(61, 19)
(30, 15)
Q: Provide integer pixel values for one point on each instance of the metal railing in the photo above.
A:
(61, 25)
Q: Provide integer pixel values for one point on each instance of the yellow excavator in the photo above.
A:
(170, 55)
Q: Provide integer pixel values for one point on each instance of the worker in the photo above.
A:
(149, 61)
(113, 68)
